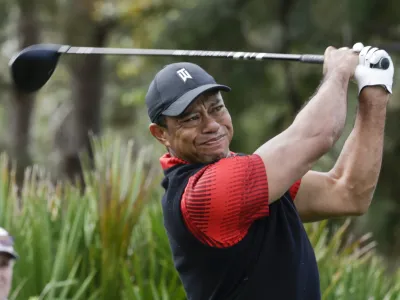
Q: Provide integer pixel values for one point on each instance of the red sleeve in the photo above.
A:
(222, 200)
(294, 189)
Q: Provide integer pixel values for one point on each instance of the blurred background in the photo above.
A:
(93, 106)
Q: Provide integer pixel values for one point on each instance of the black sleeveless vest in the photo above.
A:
(275, 261)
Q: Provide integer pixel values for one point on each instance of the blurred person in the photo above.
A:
(7, 259)
(235, 221)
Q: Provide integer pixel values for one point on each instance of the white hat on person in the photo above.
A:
(7, 243)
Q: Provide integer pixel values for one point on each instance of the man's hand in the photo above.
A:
(367, 76)
(342, 61)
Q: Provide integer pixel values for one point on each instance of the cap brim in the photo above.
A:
(12, 255)
(179, 106)
(10, 252)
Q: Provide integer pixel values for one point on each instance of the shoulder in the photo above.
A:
(232, 165)
(235, 167)
(167, 161)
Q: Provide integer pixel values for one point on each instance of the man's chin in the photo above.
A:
(213, 157)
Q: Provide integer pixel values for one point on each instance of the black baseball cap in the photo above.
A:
(176, 86)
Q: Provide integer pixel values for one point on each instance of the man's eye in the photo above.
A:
(194, 118)
(218, 108)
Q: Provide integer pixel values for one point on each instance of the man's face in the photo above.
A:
(6, 273)
(201, 134)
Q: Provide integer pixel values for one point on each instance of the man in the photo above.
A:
(234, 221)
(7, 258)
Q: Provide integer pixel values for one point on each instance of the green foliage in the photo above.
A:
(110, 243)
(353, 270)
(75, 246)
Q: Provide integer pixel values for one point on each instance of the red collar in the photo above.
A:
(168, 161)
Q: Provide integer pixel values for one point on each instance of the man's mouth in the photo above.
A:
(213, 140)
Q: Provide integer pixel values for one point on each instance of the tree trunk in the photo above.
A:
(86, 90)
(22, 104)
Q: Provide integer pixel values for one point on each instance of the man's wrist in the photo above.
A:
(337, 78)
(374, 96)
(338, 75)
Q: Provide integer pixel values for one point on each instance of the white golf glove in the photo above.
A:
(365, 75)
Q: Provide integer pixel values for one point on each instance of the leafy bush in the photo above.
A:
(353, 270)
(89, 246)
(110, 242)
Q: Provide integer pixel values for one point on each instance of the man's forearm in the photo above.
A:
(359, 163)
(326, 111)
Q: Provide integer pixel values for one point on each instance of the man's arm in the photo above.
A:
(291, 154)
(348, 188)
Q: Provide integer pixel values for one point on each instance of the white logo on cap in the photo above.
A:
(184, 74)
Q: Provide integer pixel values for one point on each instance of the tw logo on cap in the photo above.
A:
(184, 74)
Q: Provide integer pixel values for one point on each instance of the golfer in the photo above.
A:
(7, 258)
(234, 221)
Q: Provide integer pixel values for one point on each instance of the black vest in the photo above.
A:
(275, 261)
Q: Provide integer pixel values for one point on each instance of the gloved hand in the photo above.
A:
(367, 76)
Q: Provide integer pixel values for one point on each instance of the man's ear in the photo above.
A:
(160, 133)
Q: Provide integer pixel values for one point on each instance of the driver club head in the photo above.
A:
(33, 66)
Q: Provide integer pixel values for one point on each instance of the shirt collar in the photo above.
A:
(168, 161)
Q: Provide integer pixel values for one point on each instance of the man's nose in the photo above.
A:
(210, 125)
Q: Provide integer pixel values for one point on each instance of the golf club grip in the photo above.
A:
(383, 63)
(312, 59)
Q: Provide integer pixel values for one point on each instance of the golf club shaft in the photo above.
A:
(305, 58)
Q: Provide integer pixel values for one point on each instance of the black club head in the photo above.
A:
(33, 66)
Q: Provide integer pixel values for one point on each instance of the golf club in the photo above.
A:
(32, 67)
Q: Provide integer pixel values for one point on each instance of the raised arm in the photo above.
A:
(291, 154)
(348, 189)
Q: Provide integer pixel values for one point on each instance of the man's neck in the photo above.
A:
(172, 154)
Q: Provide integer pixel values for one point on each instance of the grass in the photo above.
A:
(110, 243)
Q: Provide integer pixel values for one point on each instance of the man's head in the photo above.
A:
(7, 258)
(188, 113)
